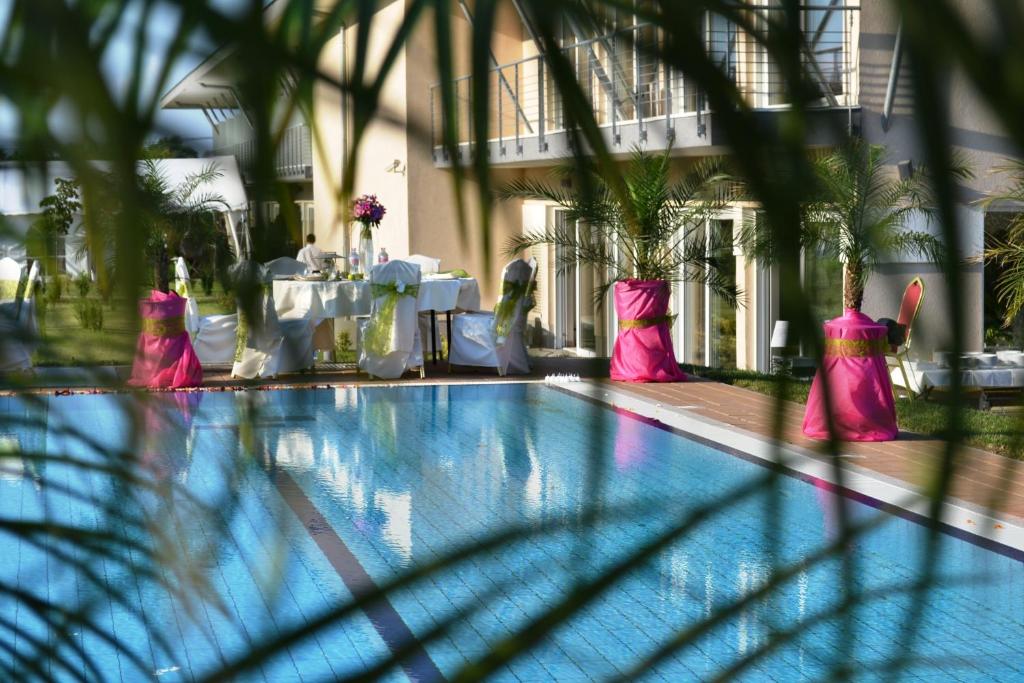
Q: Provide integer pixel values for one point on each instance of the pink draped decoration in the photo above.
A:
(863, 408)
(164, 356)
(643, 348)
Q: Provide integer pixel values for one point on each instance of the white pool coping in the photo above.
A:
(961, 515)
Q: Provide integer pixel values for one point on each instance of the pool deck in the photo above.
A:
(985, 481)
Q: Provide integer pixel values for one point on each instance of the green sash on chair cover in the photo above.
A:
(242, 329)
(512, 294)
(379, 331)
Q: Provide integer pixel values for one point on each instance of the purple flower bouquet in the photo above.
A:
(368, 211)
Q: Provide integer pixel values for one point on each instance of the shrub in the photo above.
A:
(55, 288)
(89, 314)
(208, 281)
(343, 351)
(83, 283)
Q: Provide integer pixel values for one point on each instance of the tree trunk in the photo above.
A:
(853, 286)
(163, 270)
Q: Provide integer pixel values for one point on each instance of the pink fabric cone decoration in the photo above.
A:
(643, 349)
(164, 357)
(863, 408)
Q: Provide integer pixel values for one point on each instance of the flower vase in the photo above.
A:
(366, 254)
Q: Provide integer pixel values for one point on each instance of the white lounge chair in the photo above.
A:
(390, 339)
(213, 336)
(497, 339)
(266, 346)
(285, 267)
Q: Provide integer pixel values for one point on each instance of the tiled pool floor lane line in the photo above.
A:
(987, 492)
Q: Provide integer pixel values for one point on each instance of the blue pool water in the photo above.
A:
(281, 504)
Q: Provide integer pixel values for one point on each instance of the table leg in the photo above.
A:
(433, 333)
(448, 321)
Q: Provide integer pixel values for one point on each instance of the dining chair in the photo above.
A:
(213, 336)
(389, 340)
(496, 339)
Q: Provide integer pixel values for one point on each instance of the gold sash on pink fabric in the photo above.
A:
(163, 327)
(640, 323)
(855, 348)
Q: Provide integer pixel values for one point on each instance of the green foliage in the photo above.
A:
(857, 213)
(343, 343)
(171, 220)
(169, 147)
(55, 288)
(654, 230)
(89, 314)
(278, 237)
(1007, 250)
(57, 217)
(83, 283)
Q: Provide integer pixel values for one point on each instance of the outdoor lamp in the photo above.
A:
(780, 336)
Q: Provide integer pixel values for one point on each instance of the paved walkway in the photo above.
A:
(982, 479)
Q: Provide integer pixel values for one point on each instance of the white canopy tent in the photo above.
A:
(24, 185)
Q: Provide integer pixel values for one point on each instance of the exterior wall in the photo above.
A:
(977, 136)
(433, 219)
(329, 131)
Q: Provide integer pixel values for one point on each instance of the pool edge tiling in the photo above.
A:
(974, 521)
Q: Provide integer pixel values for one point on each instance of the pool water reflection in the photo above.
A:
(331, 489)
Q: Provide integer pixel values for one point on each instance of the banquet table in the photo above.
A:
(927, 375)
(319, 299)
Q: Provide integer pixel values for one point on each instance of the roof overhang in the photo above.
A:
(210, 84)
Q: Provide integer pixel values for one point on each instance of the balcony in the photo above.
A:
(636, 99)
(293, 159)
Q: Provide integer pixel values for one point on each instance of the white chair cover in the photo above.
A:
(183, 286)
(427, 264)
(285, 267)
(266, 346)
(213, 336)
(497, 339)
(390, 338)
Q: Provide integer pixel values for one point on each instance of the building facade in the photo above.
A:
(638, 102)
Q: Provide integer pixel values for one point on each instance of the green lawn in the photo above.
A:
(66, 342)
(992, 430)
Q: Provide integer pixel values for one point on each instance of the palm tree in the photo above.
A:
(1007, 251)
(859, 214)
(653, 231)
(175, 219)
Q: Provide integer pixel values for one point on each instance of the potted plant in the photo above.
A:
(859, 212)
(645, 233)
(368, 212)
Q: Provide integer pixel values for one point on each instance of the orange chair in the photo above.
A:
(898, 356)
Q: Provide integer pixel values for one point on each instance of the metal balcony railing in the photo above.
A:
(293, 159)
(629, 88)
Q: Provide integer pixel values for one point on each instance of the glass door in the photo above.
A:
(722, 313)
(577, 319)
(708, 320)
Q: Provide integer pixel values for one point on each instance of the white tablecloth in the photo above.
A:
(926, 375)
(344, 298)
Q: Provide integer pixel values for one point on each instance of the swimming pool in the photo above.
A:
(316, 494)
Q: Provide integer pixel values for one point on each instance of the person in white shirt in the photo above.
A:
(310, 254)
(323, 334)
